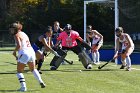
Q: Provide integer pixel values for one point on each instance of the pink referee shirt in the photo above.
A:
(68, 41)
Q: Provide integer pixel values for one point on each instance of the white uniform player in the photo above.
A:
(125, 43)
(26, 52)
(127, 48)
(97, 41)
(26, 55)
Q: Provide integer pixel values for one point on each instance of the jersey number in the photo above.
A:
(28, 44)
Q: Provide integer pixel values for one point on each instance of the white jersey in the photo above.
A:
(96, 38)
(26, 52)
(124, 42)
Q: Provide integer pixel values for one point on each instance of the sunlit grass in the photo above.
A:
(69, 78)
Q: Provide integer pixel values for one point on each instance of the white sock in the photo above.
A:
(37, 76)
(128, 61)
(93, 56)
(97, 56)
(21, 79)
(123, 62)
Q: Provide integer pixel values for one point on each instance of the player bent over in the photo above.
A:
(43, 41)
(127, 48)
(97, 42)
(26, 55)
(68, 41)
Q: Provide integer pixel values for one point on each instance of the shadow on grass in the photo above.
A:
(66, 64)
(103, 70)
(5, 91)
(14, 72)
(11, 63)
(13, 91)
(70, 70)
(88, 70)
(7, 72)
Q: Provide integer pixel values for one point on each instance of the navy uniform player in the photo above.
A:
(43, 41)
(56, 31)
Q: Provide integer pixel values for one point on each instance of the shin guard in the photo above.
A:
(40, 64)
(86, 61)
(56, 61)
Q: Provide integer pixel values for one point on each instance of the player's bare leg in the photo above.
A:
(20, 69)
(36, 74)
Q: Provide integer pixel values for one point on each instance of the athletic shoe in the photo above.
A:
(40, 72)
(96, 63)
(22, 89)
(128, 69)
(89, 66)
(122, 67)
(42, 85)
(53, 68)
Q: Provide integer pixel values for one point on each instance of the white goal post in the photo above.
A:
(115, 2)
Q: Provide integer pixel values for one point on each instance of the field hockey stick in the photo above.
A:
(63, 59)
(68, 61)
(100, 67)
(46, 54)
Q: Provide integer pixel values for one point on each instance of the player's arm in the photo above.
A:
(83, 43)
(59, 38)
(97, 33)
(117, 48)
(18, 45)
(88, 38)
(57, 43)
(61, 30)
(49, 41)
(130, 43)
(46, 45)
(43, 40)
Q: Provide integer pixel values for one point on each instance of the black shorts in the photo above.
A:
(76, 49)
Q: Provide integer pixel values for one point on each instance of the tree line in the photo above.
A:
(37, 14)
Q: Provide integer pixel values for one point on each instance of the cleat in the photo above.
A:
(53, 68)
(40, 72)
(94, 63)
(42, 85)
(89, 66)
(22, 89)
(97, 63)
(122, 67)
(128, 69)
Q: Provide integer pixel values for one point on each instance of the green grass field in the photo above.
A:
(69, 79)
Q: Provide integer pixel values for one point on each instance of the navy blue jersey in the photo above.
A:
(56, 33)
(39, 43)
